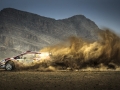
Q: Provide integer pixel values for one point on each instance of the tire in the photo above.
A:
(9, 66)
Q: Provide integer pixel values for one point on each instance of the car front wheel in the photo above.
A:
(9, 66)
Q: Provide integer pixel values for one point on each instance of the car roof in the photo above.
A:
(29, 52)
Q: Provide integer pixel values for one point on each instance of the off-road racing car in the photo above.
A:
(26, 58)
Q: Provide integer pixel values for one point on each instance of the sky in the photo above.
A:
(105, 13)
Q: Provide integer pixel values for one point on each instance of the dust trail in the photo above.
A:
(77, 53)
(39, 66)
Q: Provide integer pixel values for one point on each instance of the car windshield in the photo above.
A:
(17, 57)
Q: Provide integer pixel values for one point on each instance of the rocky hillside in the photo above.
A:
(21, 31)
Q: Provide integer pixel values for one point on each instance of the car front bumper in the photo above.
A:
(2, 66)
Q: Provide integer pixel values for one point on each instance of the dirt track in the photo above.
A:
(31, 80)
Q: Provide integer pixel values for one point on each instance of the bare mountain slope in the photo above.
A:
(21, 31)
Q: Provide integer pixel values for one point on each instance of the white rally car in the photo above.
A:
(26, 58)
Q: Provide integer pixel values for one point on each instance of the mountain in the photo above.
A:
(21, 31)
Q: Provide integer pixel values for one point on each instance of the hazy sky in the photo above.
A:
(105, 13)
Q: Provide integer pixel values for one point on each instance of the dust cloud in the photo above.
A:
(76, 53)
(80, 54)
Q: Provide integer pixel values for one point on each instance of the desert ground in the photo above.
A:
(59, 80)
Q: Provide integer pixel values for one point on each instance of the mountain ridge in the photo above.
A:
(21, 30)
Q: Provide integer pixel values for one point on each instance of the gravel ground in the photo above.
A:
(61, 80)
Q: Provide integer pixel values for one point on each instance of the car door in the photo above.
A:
(28, 59)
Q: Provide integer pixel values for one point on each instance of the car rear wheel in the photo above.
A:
(9, 66)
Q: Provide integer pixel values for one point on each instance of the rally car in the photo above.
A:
(26, 58)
